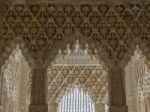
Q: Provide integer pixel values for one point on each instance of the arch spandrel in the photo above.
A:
(45, 26)
(141, 42)
(9, 43)
(145, 48)
(61, 44)
(97, 90)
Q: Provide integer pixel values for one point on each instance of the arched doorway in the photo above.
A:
(76, 101)
(138, 83)
(16, 83)
(73, 68)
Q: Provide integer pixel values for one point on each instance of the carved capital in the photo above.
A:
(38, 108)
(117, 109)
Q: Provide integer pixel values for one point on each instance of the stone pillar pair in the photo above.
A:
(116, 91)
(38, 92)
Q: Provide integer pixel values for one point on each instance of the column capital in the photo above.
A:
(117, 109)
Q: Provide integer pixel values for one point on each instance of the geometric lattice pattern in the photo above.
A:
(115, 30)
(16, 83)
(138, 77)
(76, 67)
(76, 100)
(92, 79)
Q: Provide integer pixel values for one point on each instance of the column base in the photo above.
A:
(116, 109)
(1, 108)
(38, 108)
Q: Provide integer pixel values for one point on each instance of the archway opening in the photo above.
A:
(137, 80)
(77, 69)
(76, 101)
(16, 83)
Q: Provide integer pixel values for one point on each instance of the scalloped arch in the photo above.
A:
(10, 46)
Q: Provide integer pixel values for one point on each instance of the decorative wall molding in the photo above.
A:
(113, 31)
(41, 30)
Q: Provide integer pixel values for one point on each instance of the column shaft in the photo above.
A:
(53, 107)
(116, 90)
(99, 107)
(1, 108)
(38, 91)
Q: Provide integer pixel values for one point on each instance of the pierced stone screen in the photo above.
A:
(76, 101)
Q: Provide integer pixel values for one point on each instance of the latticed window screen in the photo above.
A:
(76, 101)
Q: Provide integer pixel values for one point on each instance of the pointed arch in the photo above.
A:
(77, 66)
(76, 100)
(9, 42)
(94, 45)
(17, 77)
(136, 78)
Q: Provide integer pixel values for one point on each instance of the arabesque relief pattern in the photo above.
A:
(93, 79)
(143, 84)
(137, 83)
(16, 88)
(41, 30)
(114, 30)
(77, 67)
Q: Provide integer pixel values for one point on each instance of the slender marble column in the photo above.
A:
(0, 93)
(116, 90)
(99, 107)
(38, 91)
(1, 88)
(53, 107)
(1, 109)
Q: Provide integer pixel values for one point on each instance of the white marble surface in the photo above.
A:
(1, 109)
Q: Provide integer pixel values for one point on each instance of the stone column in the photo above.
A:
(38, 90)
(1, 109)
(99, 107)
(116, 90)
(0, 98)
(1, 82)
(2, 12)
(148, 103)
(131, 87)
(53, 107)
(1, 87)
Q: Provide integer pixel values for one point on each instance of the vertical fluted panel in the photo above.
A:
(76, 101)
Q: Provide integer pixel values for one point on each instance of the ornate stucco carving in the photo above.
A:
(40, 30)
(77, 67)
(114, 31)
(16, 85)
